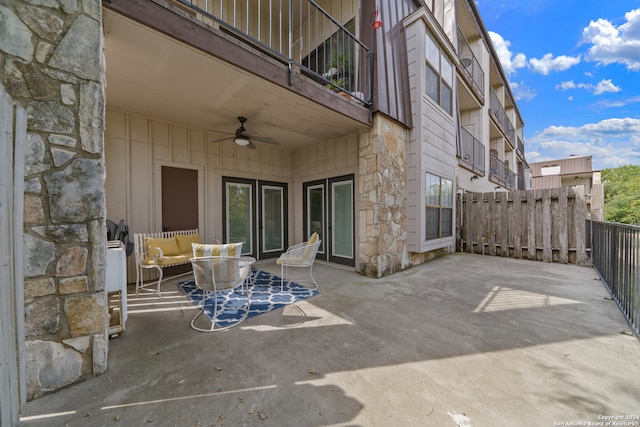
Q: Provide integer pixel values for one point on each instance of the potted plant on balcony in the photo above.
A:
(337, 85)
(339, 67)
(341, 63)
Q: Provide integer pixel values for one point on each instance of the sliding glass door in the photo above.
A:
(239, 213)
(314, 213)
(272, 222)
(255, 213)
(342, 233)
(329, 210)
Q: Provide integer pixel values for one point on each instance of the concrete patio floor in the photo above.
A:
(463, 340)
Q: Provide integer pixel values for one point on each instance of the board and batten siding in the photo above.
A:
(432, 141)
(136, 148)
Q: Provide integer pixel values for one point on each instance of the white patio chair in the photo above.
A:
(301, 255)
(214, 274)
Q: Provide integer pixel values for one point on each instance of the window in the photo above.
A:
(439, 207)
(550, 170)
(439, 78)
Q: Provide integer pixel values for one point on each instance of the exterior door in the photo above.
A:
(314, 205)
(255, 213)
(329, 210)
(179, 205)
(179, 198)
(272, 221)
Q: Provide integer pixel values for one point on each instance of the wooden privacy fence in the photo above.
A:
(544, 225)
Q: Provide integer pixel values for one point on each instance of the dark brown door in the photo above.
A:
(179, 198)
(179, 204)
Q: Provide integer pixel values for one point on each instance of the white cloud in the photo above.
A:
(522, 92)
(606, 86)
(607, 156)
(510, 63)
(567, 85)
(612, 127)
(607, 103)
(548, 63)
(611, 44)
(611, 142)
(603, 86)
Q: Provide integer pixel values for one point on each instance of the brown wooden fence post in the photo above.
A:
(561, 223)
(547, 253)
(579, 223)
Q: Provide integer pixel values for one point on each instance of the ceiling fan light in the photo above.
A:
(241, 140)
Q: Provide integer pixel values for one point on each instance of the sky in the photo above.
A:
(574, 69)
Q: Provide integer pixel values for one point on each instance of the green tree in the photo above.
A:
(622, 194)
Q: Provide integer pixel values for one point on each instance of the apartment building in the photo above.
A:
(491, 154)
(254, 121)
(427, 106)
(570, 172)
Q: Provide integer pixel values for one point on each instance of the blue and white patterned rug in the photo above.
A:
(264, 296)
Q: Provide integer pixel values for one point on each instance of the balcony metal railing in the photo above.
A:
(471, 65)
(520, 182)
(501, 174)
(471, 151)
(520, 147)
(298, 33)
(510, 179)
(501, 116)
(497, 169)
(615, 254)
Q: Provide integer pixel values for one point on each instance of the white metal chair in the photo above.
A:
(301, 255)
(214, 274)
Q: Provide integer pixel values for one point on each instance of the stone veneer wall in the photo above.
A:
(383, 201)
(383, 198)
(51, 62)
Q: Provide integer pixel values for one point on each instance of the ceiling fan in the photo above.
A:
(244, 138)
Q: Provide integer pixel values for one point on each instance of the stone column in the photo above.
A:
(383, 198)
(52, 63)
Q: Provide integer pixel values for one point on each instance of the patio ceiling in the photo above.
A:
(152, 74)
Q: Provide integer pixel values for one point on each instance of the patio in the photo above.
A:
(462, 340)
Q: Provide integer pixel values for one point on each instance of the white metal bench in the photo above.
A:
(158, 250)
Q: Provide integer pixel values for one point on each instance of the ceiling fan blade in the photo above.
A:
(251, 145)
(227, 138)
(219, 131)
(265, 140)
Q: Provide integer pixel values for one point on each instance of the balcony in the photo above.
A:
(203, 64)
(472, 152)
(298, 33)
(510, 179)
(501, 174)
(521, 183)
(496, 170)
(473, 72)
(501, 119)
(520, 147)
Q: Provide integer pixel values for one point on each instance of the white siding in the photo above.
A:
(432, 141)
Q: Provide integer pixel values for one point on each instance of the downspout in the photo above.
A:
(290, 42)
